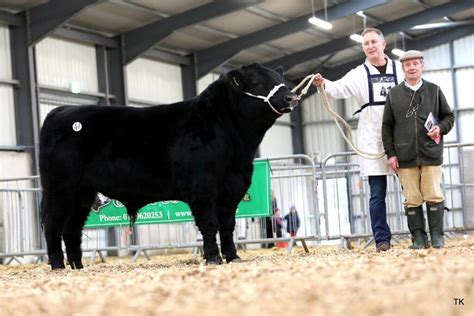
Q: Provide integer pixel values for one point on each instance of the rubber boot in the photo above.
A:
(417, 227)
(436, 222)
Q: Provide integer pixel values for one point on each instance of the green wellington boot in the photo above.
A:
(436, 222)
(416, 225)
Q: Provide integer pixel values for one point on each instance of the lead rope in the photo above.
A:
(337, 118)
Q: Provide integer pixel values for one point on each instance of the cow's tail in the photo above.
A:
(48, 139)
(49, 136)
(42, 212)
(44, 153)
(42, 215)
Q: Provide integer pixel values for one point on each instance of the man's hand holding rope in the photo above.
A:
(318, 81)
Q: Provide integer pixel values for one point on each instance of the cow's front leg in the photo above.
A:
(226, 218)
(207, 223)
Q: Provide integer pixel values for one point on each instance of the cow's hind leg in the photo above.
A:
(72, 234)
(55, 213)
(226, 217)
(207, 223)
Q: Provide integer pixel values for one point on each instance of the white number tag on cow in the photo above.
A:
(76, 126)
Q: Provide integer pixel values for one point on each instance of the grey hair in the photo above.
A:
(372, 29)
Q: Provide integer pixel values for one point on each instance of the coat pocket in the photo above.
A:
(434, 150)
(405, 152)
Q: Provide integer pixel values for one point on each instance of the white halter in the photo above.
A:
(267, 98)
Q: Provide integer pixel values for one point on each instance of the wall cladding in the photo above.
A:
(7, 110)
(7, 117)
(154, 81)
(5, 55)
(66, 64)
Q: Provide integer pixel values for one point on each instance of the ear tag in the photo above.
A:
(77, 126)
(235, 81)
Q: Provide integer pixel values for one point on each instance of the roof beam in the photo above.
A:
(140, 40)
(387, 28)
(46, 18)
(439, 38)
(167, 57)
(214, 56)
(86, 37)
(442, 24)
(101, 40)
(11, 19)
(379, 21)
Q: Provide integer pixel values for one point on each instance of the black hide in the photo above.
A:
(199, 151)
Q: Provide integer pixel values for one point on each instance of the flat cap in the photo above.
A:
(411, 54)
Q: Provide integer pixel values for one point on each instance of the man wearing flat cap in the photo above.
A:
(416, 116)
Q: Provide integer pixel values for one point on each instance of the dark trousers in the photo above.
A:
(269, 231)
(378, 209)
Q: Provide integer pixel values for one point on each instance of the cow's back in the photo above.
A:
(111, 148)
(74, 138)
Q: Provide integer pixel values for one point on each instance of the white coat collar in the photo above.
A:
(374, 70)
(416, 86)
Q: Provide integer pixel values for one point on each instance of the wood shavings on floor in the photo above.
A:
(268, 282)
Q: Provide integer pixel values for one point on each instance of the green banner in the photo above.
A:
(256, 203)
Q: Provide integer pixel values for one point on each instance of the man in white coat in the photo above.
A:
(369, 83)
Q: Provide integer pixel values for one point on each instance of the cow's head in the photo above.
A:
(260, 82)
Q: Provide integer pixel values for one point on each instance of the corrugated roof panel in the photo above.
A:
(239, 22)
(170, 7)
(113, 18)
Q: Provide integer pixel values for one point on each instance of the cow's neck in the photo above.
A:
(253, 127)
(246, 128)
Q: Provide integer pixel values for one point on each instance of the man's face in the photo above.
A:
(373, 46)
(413, 69)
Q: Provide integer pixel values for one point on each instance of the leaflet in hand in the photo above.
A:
(430, 122)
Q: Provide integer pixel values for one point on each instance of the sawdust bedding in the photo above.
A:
(268, 282)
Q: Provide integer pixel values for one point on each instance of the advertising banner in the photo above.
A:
(256, 203)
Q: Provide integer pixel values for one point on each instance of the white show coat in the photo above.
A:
(369, 136)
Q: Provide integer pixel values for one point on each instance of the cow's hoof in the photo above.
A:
(236, 260)
(233, 258)
(76, 264)
(214, 261)
(57, 265)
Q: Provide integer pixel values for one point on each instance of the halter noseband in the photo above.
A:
(267, 98)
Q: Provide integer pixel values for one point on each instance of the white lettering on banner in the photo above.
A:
(105, 218)
(150, 215)
(183, 214)
(170, 202)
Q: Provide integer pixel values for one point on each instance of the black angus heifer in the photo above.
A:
(199, 151)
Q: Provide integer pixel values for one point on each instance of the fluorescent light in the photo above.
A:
(442, 24)
(398, 52)
(320, 23)
(356, 38)
(361, 13)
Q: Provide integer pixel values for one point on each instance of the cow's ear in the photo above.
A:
(279, 70)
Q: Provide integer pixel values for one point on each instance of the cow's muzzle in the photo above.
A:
(292, 100)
